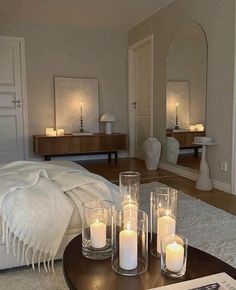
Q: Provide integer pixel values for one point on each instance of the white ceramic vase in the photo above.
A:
(152, 152)
(172, 149)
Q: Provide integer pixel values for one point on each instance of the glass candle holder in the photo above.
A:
(97, 229)
(129, 182)
(163, 210)
(130, 243)
(174, 250)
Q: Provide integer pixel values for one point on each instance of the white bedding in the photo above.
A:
(28, 197)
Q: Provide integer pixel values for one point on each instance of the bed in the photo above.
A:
(9, 260)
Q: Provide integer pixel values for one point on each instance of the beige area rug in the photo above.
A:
(207, 228)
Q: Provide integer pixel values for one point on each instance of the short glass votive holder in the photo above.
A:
(97, 229)
(163, 216)
(130, 243)
(129, 182)
(174, 251)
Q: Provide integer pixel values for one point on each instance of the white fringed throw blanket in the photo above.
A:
(36, 207)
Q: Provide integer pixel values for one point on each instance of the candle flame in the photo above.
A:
(177, 104)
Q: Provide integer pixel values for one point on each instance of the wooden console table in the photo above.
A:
(186, 138)
(68, 144)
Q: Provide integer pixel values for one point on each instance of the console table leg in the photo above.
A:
(116, 155)
(109, 156)
(47, 158)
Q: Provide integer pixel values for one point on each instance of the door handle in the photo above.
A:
(134, 104)
(19, 103)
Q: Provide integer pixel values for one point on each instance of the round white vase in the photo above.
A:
(152, 152)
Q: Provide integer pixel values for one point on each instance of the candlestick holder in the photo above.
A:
(96, 229)
(129, 182)
(174, 251)
(130, 243)
(81, 124)
(163, 211)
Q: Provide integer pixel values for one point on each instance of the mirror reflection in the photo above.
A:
(186, 95)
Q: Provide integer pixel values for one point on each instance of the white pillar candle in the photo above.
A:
(165, 226)
(60, 132)
(128, 255)
(49, 131)
(174, 257)
(98, 234)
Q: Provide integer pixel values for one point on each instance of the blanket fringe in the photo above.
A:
(18, 246)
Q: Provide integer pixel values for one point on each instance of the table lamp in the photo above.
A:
(108, 118)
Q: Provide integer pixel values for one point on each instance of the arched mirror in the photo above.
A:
(186, 95)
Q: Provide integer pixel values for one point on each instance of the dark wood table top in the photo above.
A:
(84, 274)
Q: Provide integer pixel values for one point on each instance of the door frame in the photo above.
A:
(131, 70)
(23, 91)
(233, 158)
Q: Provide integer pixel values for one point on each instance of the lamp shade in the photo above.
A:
(107, 117)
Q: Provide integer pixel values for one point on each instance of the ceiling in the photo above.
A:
(108, 14)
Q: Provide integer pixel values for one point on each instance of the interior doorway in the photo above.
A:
(13, 114)
(140, 95)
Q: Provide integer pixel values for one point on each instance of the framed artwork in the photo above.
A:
(177, 92)
(76, 97)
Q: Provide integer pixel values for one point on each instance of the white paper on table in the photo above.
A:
(226, 283)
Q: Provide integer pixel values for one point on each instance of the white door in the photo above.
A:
(11, 101)
(140, 95)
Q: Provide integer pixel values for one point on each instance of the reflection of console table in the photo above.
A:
(186, 138)
(97, 143)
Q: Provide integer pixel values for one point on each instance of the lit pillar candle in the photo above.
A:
(81, 110)
(128, 250)
(98, 234)
(177, 109)
(174, 257)
(165, 226)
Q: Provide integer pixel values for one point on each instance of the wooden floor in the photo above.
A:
(189, 160)
(111, 170)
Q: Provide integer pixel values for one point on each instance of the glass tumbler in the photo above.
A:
(174, 250)
(96, 229)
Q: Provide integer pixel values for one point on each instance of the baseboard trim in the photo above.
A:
(222, 186)
(193, 174)
(182, 171)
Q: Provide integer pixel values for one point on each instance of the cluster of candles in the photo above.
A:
(196, 127)
(51, 132)
(131, 237)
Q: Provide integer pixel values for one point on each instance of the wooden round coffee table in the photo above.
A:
(84, 274)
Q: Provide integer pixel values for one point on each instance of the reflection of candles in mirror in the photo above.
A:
(81, 110)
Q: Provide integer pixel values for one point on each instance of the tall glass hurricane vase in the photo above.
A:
(130, 243)
(129, 182)
(163, 205)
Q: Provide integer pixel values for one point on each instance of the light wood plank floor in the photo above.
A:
(111, 170)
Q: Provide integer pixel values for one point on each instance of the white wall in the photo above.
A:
(217, 20)
(70, 51)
